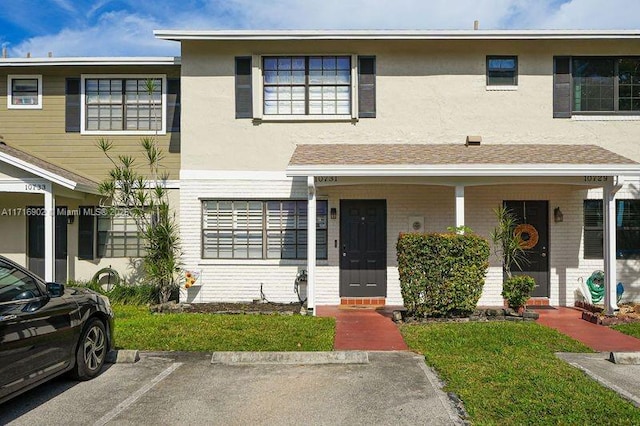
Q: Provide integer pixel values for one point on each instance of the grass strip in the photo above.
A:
(137, 328)
(506, 373)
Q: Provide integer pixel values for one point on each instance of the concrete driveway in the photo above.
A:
(392, 388)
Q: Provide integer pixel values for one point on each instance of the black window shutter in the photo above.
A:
(86, 231)
(366, 86)
(72, 105)
(173, 105)
(561, 87)
(244, 95)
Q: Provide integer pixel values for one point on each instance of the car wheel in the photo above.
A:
(92, 350)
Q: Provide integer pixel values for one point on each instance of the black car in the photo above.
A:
(47, 330)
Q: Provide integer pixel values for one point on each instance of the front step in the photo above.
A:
(538, 301)
(362, 302)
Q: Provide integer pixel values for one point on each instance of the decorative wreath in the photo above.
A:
(527, 234)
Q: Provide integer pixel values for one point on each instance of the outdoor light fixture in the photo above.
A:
(334, 213)
(70, 219)
(557, 215)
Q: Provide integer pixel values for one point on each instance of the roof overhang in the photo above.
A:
(466, 170)
(450, 160)
(265, 35)
(90, 61)
(80, 184)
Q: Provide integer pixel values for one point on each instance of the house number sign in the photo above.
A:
(596, 178)
(326, 179)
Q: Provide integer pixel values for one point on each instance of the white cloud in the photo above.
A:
(131, 32)
(114, 34)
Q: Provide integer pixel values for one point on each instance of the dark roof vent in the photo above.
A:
(473, 140)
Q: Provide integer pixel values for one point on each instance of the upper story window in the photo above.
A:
(24, 92)
(123, 104)
(610, 85)
(307, 85)
(502, 70)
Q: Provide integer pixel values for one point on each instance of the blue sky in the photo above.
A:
(125, 27)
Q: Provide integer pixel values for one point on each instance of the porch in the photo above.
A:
(432, 188)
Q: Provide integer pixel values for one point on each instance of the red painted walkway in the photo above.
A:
(599, 338)
(364, 329)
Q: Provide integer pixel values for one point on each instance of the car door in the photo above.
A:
(36, 337)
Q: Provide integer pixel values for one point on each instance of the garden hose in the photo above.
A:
(596, 286)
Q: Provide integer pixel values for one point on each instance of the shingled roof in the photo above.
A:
(45, 169)
(448, 156)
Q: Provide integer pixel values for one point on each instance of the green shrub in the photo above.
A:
(139, 294)
(441, 274)
(517, 290)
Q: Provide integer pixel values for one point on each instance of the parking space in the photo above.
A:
(394, 387)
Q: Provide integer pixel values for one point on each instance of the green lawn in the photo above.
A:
(137, 328)
(507, 373)
(632, 329)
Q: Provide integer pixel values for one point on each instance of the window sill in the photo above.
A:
(612, 117)
(305, 118)
(39, 106)
(258, 262)
(502, 88)
(123, 132)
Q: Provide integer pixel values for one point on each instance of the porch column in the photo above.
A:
(459, 208)
(311, 245)
(609, 213)
(49, 234)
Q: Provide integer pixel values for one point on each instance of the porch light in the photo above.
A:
(334, 213)
(557, 215)
(70, 219)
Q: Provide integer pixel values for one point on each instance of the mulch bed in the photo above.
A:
(245, 308)
(228, 308)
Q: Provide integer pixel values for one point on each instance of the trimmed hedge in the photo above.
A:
(517, 290)
(441, 274)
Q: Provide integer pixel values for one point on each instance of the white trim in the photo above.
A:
(232, 175)
(49, 234)
(260, 35)
(612, 117)
(134, 60)
(509, 88)
(83, 111)
(466, 170)
(28, 167)
(10, 79)
(297, 118)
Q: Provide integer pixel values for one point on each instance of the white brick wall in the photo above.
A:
(240, 280)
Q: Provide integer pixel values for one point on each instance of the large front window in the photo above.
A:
(123, 104)
(118, 236)
(275, 229)
(606, 84)
(307, 85)
(627, 229)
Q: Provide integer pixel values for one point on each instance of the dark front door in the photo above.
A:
(35, 250)
(536, 215)
(363, 239)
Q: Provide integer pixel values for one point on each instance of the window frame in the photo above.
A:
(101, 215)
(258, 90)
(264, 231)
(619, 229)
(488, 70)
(83, 104)
(616, 87)
(11, 78)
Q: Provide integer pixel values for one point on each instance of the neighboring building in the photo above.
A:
(362, 134)
(55, 110)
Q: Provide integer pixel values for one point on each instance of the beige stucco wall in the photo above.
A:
(427, 92)
(41, 132)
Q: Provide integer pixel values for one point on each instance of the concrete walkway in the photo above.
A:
(599, 338)
(364, 329)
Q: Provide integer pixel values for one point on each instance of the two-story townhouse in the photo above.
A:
(50, 166)
(312, 150)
